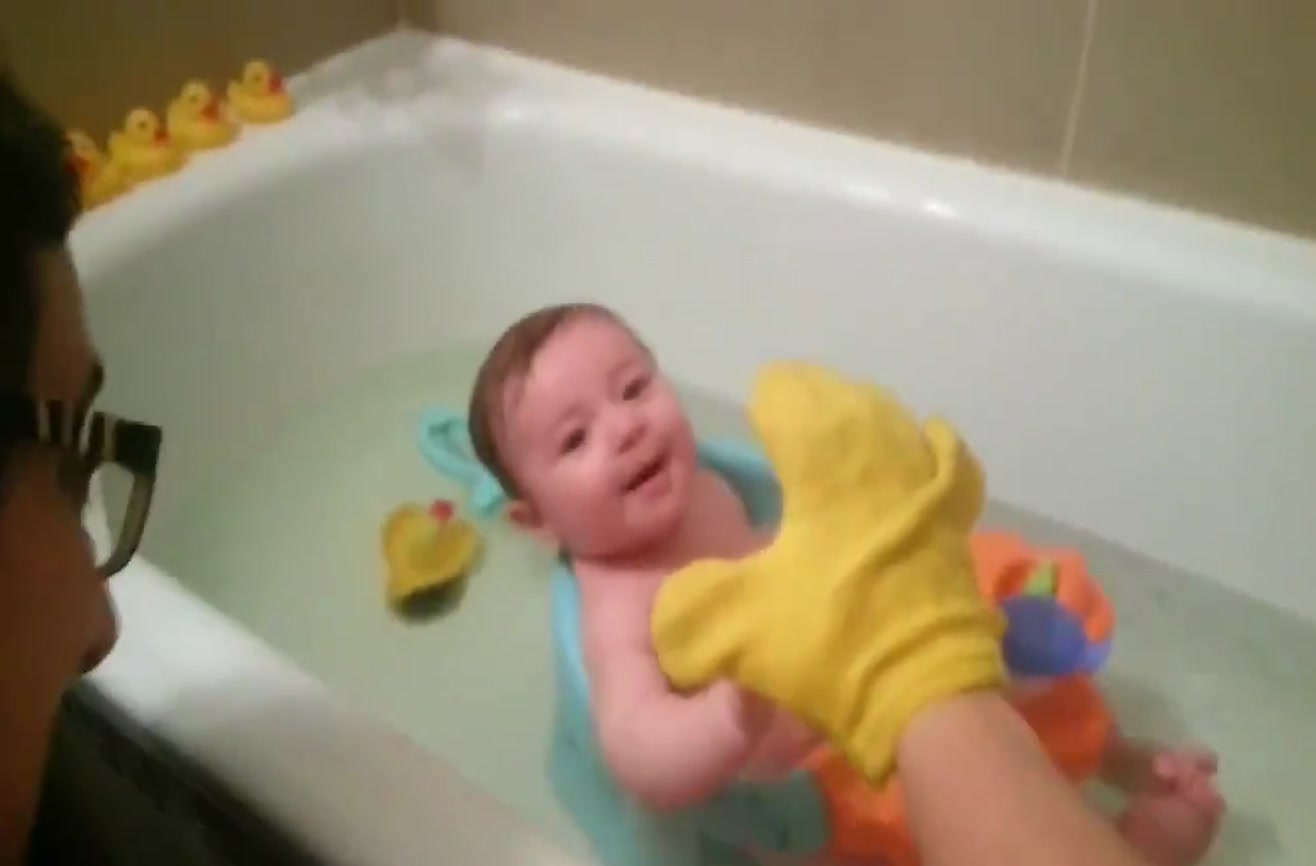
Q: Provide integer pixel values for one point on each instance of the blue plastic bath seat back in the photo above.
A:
(445, 441)
(785, 817)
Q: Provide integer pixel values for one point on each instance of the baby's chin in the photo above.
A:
(652, 529)
(649, 529)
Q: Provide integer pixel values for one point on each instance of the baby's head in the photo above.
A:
(587, 437)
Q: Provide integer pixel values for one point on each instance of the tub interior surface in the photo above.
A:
(285, 540)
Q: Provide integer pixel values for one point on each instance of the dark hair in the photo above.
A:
(38, 203)
(510, 358)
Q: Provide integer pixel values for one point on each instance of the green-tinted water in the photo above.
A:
(288, 545)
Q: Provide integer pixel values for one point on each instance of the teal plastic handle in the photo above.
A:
(445, 442)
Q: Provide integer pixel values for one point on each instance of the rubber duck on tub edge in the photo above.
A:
(259, 96)
(197, 120)
(99, 179)
(142, 149)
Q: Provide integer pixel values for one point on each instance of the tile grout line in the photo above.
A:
(1080, 88)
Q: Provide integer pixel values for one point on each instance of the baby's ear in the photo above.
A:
(526, 519)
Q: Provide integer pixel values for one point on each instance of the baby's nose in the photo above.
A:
(629, 430)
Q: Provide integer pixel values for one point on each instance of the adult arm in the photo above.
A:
(980, 790)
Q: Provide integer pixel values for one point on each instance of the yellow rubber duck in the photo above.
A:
(426, 549)
(142, 148)
(196, 120)
(259, 96)
(99, 180)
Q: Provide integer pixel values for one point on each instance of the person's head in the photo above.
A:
(572, 415)
(50, 442)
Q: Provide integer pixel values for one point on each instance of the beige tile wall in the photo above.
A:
(90, 61)
(1208, 104)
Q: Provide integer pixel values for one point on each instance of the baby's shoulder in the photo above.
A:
(614, 612)
(614, 590)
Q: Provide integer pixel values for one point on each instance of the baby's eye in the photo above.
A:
(574, 440)
(635, 388)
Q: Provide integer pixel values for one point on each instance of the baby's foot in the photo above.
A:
(1174, 819)
(1174, 767)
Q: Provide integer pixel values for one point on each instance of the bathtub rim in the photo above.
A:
(175, 674)
(471, 88)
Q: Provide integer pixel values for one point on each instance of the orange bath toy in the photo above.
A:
(1060, 620)
(1066, 711)
(426, 550)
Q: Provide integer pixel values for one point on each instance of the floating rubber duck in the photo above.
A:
(426, 549)
(196, 119)
(259, 96)
(142, 148)
(99, 180)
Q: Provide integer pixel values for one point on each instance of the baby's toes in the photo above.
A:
(1172, 769)
(1202, 760)
(1203, 796)
(1177, 768)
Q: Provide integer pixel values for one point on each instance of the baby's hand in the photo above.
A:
(748, 712)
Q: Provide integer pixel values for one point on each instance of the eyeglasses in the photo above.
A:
(112, 460)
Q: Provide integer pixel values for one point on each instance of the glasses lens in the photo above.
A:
(111, 490)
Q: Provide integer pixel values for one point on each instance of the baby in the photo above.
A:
(572, 415)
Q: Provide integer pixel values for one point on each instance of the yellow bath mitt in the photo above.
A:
(865, 608)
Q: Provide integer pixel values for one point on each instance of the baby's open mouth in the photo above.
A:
(647, 473)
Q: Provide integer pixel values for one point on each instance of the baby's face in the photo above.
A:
(599, 442)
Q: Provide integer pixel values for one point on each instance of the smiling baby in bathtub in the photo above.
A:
(572, 415)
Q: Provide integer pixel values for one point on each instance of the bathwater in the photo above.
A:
(287, 543)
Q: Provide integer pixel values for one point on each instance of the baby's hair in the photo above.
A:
(510, 358)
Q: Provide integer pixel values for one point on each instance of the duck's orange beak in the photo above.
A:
(276, 83)
(441, 510)
(161, 137)
(80, 164)
(211, 110)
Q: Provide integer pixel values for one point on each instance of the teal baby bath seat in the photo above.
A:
(786, 817)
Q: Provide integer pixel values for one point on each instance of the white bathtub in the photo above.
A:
(1137, 372)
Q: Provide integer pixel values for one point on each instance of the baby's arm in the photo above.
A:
(667, 750)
